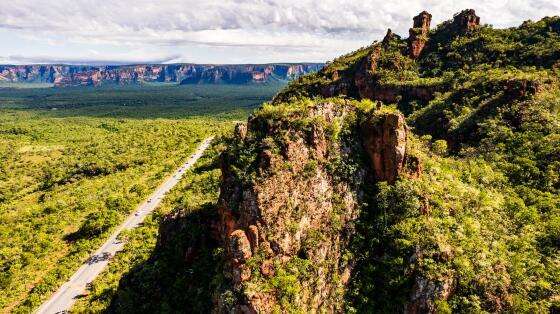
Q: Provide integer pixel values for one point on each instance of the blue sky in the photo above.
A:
(224, 31)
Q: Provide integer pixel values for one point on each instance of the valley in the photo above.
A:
(76, 162)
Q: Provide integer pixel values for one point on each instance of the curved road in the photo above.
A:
(62, 300)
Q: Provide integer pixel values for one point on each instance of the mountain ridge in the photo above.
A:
(62, 75)
(414, 175)
(399, 178)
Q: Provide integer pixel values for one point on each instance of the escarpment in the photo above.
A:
(288, 214)
(401, 178)
(185, 74)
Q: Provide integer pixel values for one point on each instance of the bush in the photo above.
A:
(98, 223)
(118, 203)
(439, 147)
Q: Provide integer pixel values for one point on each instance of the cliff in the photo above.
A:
(415, 175)
(288, 205)
(70, 75)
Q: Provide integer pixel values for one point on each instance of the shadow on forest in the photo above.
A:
(181, 274)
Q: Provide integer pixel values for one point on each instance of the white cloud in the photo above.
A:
(298, 30)
(92, 59)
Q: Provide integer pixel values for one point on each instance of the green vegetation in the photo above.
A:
(463, 225)
(481, 221)
(152, 277)
(472, 225)
(76, 161)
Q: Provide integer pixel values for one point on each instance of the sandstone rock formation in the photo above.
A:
(426, 292)
(388, 37)
(385, 143)
(466, 20)
(293, 213)
(418, 34)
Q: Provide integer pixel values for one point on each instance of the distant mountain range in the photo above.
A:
(84, 75)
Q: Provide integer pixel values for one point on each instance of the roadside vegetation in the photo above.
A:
(151, 274)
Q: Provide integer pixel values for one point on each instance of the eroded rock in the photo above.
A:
(466, 20)
(267, 268)
(385, 143)
(239, 246)
(418, 34)
(389, 37)
(274, 215)
(425, 292)
(253, 234)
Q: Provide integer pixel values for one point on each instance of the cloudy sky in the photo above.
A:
(222, 31)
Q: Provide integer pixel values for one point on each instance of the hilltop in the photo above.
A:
(418, 174)
(414, 175)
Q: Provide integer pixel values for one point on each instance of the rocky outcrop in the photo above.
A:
(77, 75)
(465, 21)
(425, 292)
(418, 34)
(287, 214)
(364, 77)
(293, 219)
(385, 143)
(389, 37)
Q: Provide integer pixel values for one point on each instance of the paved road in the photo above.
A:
(66, 295)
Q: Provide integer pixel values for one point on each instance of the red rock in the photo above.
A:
(422, 20)
(388, 37)
(418, 34)
(253, 234)
(466, 20)
(385, 143)
(239, 246)
(241, 273)
(267, 268)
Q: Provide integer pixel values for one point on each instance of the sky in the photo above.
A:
(223, 31)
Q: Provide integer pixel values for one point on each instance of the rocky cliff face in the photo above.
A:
(329, 200)
(419, 34)
(70, 75)
(287, 214)
(385, 143)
